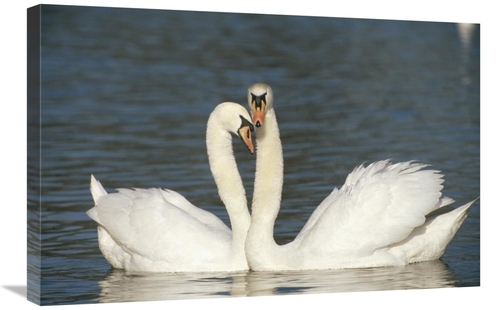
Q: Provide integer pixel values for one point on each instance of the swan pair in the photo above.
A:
(377, 218)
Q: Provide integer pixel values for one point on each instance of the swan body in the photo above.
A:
(158, 230)
(377, 218)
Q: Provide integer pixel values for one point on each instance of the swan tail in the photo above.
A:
(443, 229)
(457, 214)
(429, 241)
(462, 212)
(96, 189)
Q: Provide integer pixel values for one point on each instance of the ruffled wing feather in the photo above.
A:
(379, 205)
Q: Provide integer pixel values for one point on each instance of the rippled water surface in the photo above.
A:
(126, 95)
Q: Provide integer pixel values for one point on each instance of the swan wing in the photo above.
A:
(152, 230)
(205, 217)
(379, 205)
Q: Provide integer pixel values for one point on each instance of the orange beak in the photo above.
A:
(245, 133)
(258, 113)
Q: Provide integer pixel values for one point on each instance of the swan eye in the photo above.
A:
(246, 123)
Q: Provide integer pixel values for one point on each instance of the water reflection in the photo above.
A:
(120, 285)
(465, 32)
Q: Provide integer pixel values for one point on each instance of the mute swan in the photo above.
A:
(158, 230)
(378, 218)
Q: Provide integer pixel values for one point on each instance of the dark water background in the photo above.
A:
(126, 95)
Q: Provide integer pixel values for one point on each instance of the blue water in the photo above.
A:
(126, 95)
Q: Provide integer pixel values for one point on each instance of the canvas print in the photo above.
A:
(184, 155)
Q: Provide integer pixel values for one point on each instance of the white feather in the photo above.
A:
(377, 218)
(158, 230)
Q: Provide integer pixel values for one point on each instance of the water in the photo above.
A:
(126, 95)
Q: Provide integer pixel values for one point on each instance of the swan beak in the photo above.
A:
(258, 112)
(245, 133)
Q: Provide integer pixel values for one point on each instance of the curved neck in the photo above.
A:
(228, 181)
(267, 191)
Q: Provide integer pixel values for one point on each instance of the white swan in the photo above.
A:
(158, 230)
(378, 218)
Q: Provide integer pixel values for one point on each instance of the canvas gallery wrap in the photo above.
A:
(344, 158)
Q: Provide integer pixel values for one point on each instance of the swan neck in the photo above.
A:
(267, 191)
(228, 180)
(269, 170)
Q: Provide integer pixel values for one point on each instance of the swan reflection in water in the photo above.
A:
(119, 285)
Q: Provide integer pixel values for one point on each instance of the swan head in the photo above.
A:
(234, 118)
(260, 100)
